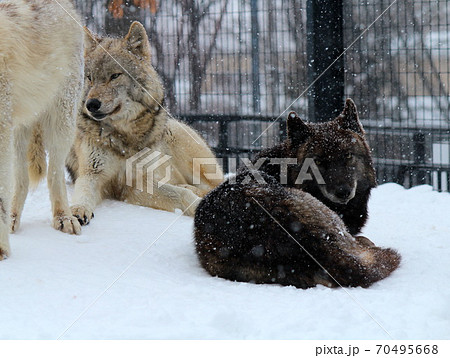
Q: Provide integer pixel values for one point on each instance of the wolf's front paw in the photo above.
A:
(4, 251)
(67, 224)
(15, 223)
(83, 214)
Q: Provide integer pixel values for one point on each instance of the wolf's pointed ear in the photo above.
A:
(90, 40)
(297, 130)
(349, 119)
(137, 41)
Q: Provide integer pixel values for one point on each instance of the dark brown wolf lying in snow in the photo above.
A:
(252, 228)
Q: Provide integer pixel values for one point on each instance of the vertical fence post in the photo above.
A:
(419, 158)
(255, 56)
(325, 44)
(223, 143)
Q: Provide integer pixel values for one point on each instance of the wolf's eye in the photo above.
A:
(349, 156)
(89, 78)
(115, 75)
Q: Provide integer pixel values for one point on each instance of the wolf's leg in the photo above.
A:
(86, 197)
(6, 155)
(168, 197)
(211, 175)
(62, 216)
(21, 142)
(185, 199)
(197, 191)
(95, 169)
(209, 171)
(37, 158)
(59, 132)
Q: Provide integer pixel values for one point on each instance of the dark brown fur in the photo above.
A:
(257, 232)
(329, 144)
(240, 235)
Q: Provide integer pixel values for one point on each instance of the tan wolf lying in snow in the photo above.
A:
(121, 116)
(41, 71)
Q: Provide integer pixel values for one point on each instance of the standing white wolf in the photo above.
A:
(41, 72)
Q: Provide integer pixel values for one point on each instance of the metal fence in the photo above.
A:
(232, 67)
(398, 73)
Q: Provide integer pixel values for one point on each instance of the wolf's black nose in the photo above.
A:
(93, 105)
(343, 192)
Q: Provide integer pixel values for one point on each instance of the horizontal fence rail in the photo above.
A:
(423, 167)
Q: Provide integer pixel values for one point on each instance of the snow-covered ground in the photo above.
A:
(51, 279)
